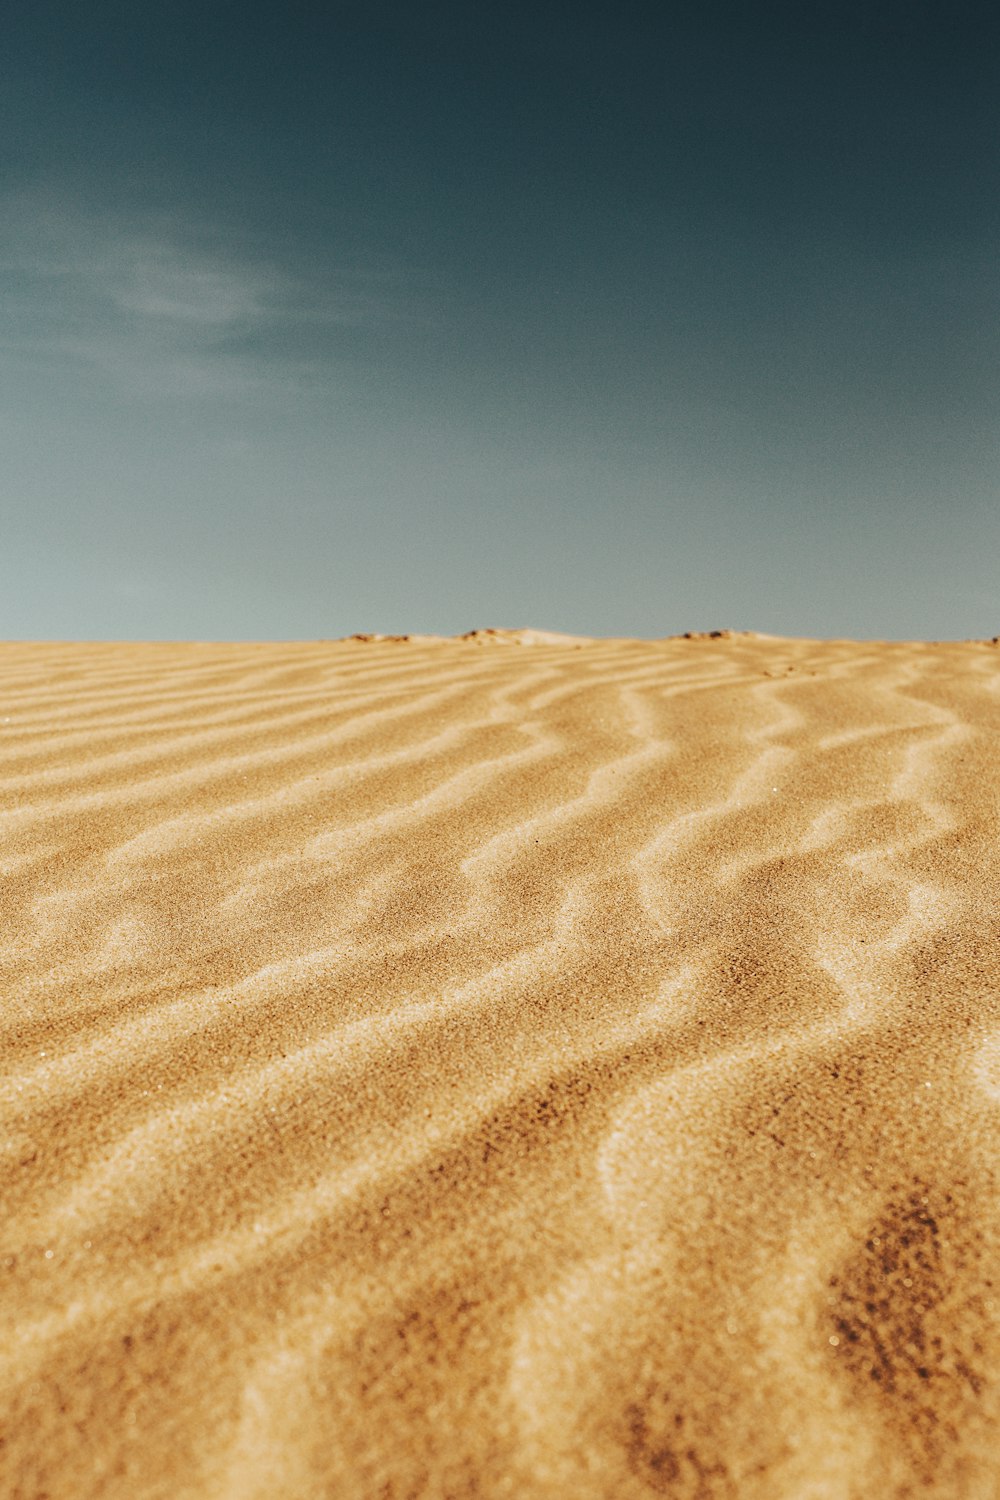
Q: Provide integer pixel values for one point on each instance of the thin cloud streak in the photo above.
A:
(161, 306)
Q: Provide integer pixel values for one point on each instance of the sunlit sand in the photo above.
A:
(518, 1065)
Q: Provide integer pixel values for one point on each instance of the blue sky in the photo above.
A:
(618, 321)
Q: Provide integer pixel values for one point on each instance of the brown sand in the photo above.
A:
(566, 1071)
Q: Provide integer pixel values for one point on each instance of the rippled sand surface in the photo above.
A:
(500, 1067)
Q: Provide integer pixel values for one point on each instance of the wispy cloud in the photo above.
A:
(159, 306)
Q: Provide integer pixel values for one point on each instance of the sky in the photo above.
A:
(618, 320)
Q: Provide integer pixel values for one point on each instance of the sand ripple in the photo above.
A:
(435, 1070)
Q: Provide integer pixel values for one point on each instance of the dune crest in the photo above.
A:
(488, 636)
(438, 1071)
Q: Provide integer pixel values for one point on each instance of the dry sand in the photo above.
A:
(556, 1072)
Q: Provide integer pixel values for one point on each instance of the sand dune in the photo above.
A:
(564, 1073)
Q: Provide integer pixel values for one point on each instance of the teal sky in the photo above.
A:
(619, 321)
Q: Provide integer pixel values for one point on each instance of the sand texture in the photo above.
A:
(568, 1071)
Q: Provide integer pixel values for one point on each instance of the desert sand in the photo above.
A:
(568, 1071)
